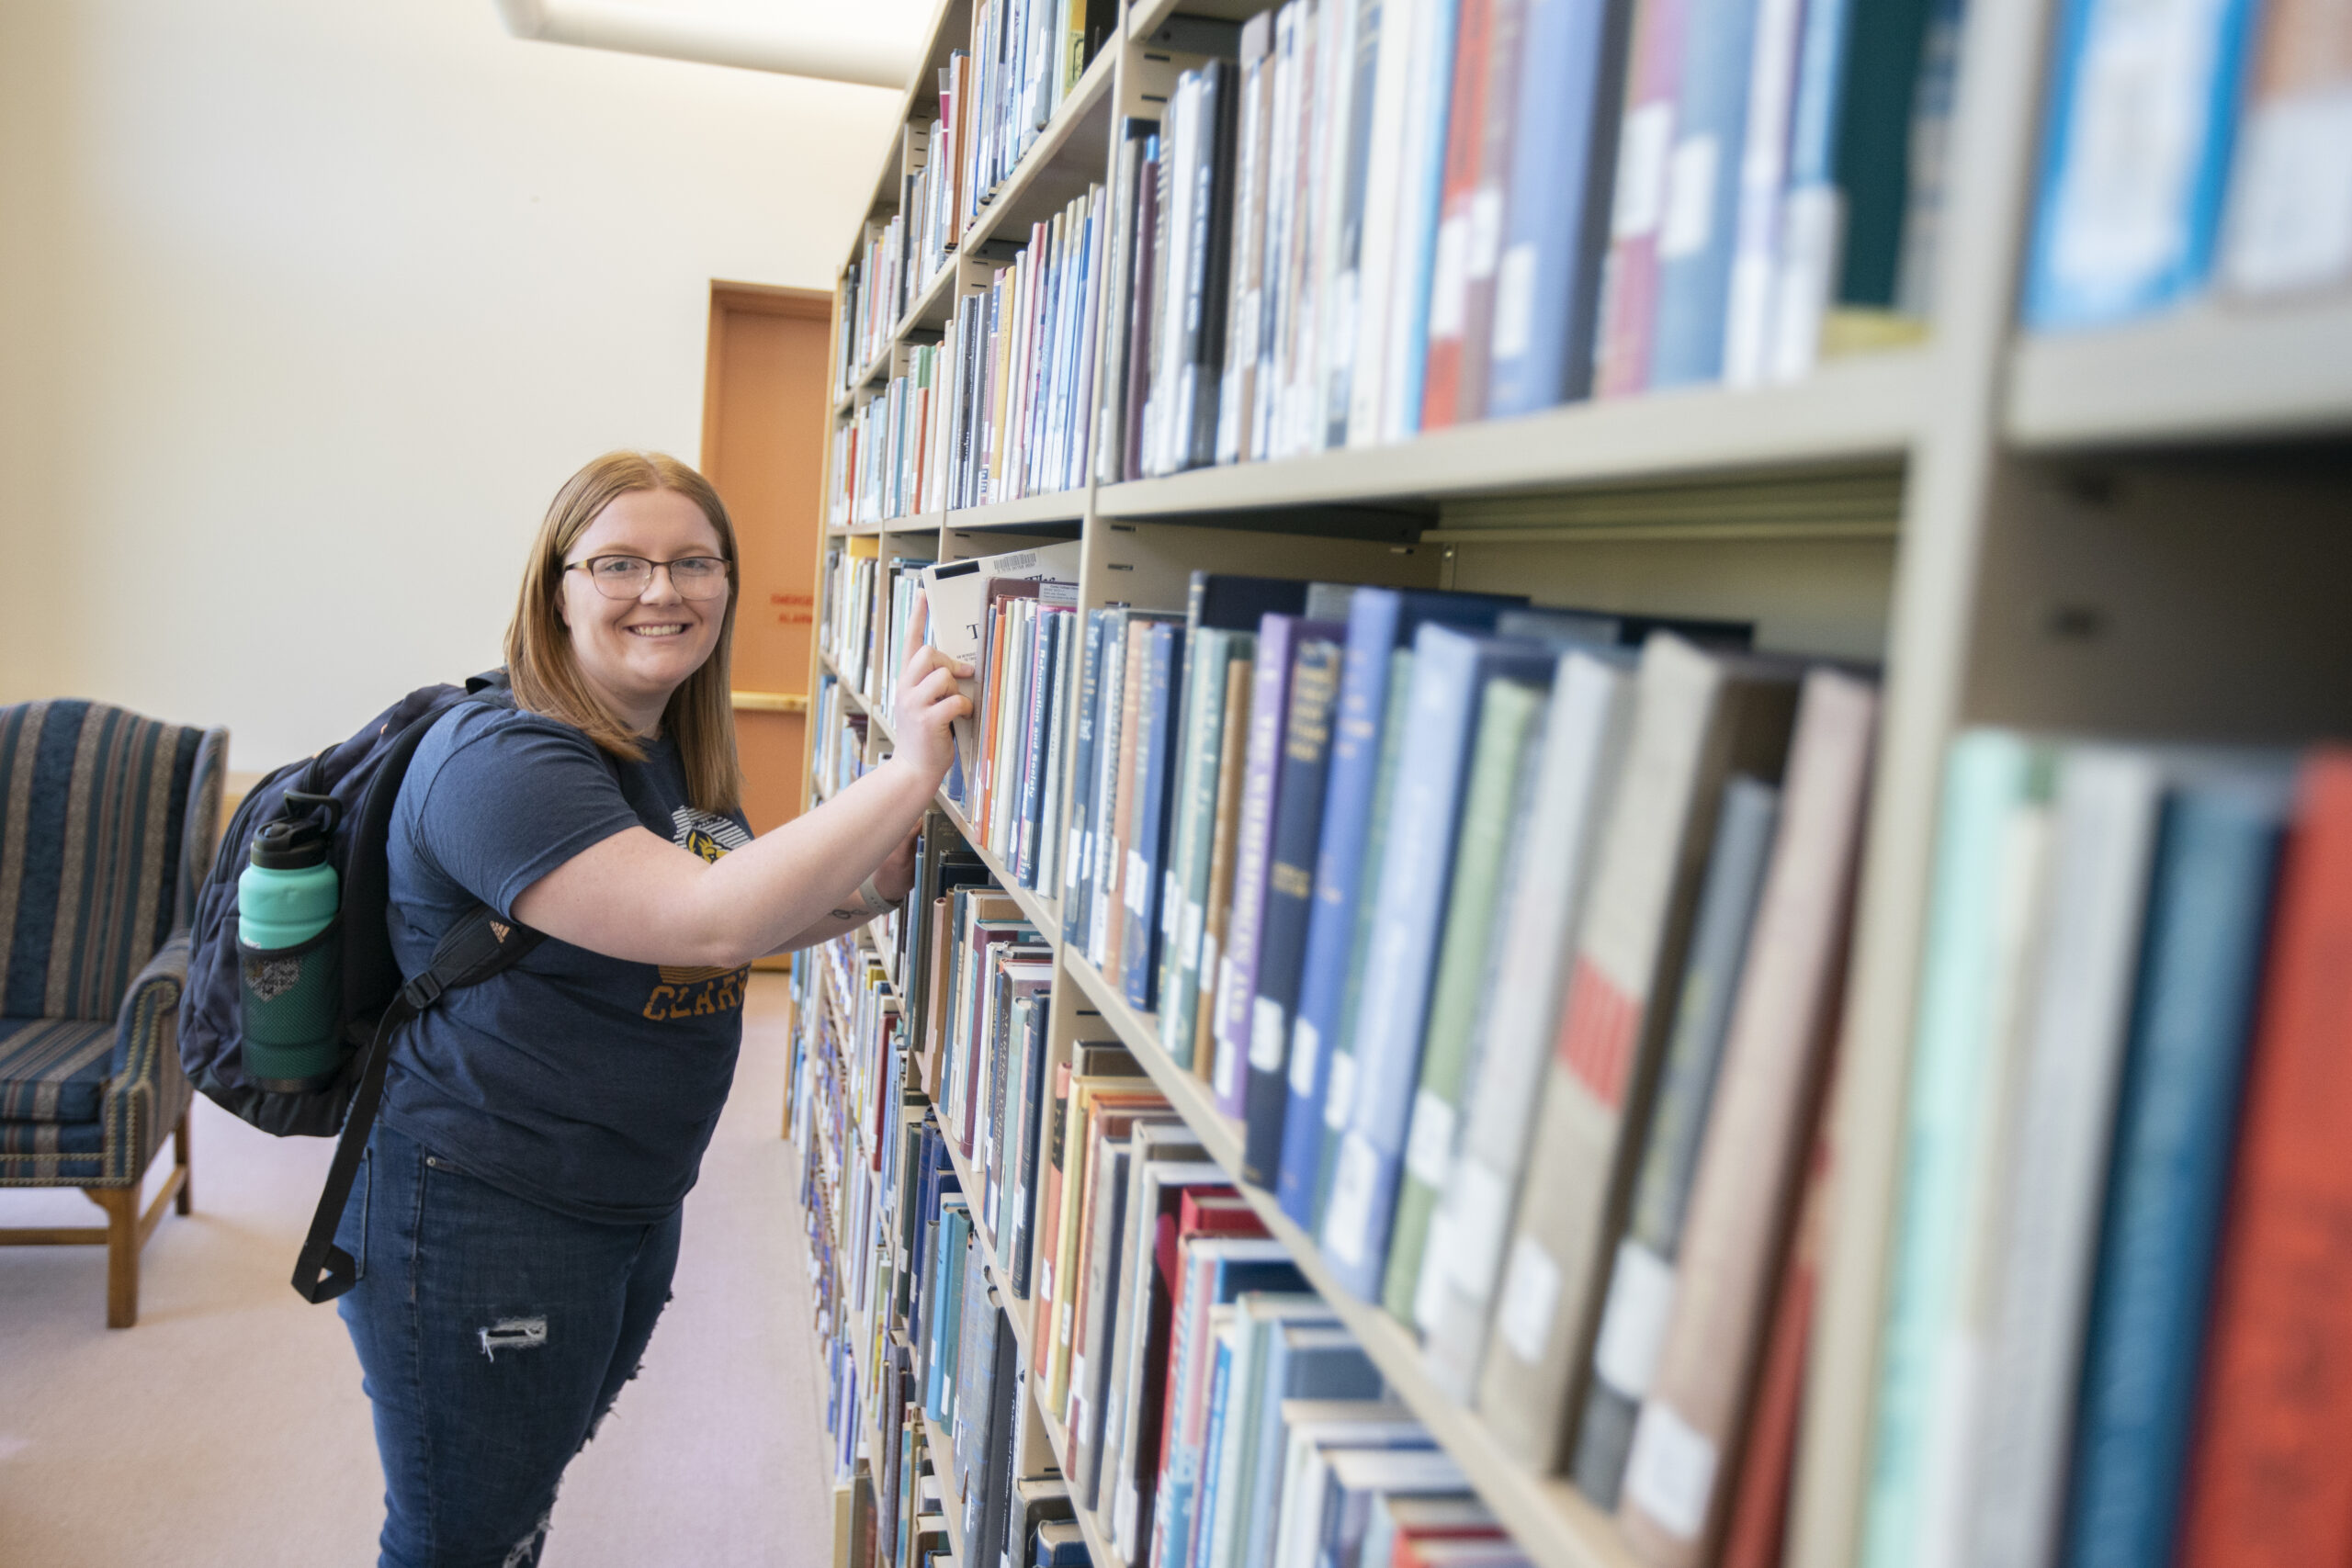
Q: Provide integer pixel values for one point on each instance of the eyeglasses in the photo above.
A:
(627, 577)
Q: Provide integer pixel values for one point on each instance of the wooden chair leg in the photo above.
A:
(184, 1203)
(121, 1204)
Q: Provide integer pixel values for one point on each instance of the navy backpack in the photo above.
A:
(354, 786)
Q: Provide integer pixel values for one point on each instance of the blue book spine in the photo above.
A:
(1081, 777)
(1416, 216)
(2102, 254)
(1373, 618)
(1290, 887)
(1555, 234)
(2175, 1132)
(1033, 758)
(1450, 670)
(1379, 619)
(1212, 1447)
(1695, 255)
(1155, 761)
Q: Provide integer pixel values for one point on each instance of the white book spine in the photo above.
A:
(1402, 23)
(2104, 841)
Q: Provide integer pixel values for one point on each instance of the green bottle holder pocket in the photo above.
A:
(291, 997)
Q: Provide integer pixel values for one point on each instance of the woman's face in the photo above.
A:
(634, 652)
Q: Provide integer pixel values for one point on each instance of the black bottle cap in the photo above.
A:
(286, 845)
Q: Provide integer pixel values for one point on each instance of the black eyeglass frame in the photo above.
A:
(726, 574)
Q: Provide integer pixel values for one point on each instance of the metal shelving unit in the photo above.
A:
(2048, 532)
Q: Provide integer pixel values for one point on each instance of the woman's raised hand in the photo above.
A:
(928, 702)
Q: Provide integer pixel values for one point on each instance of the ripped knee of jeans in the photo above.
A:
(514, 1334)
(526, 1550)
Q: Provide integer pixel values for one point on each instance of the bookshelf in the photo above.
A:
(2052, 531)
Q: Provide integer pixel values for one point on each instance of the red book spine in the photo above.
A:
(2270, 1482)
(1758, 1524)
(1448, 282)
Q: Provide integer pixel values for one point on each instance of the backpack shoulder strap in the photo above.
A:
(479, 944)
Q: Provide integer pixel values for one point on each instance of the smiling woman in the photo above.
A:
(539, 1132)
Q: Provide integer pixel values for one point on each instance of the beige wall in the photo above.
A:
(306, 309)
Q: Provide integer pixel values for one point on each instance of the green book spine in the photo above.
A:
(1214, 651)
(1188, 859)
(1986, 778)
(1506, 725)
(1339, 1078)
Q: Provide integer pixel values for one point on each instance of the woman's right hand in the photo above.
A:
(928, 703)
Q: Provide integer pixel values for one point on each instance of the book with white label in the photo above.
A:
(1699, 717)
(1751, 1161)
(1642, 1278)
(1586, 730)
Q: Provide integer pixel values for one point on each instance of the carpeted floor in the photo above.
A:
(228, 1427)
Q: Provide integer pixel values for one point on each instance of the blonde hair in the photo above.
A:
(539, 661)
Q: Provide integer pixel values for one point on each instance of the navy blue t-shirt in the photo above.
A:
(587, 1084)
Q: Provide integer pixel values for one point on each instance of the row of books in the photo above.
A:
(1021, 365)
(1474, 1004)
(885, 460)
(2213, 161)
(838, 754)
(1020, 728)
(2114, 1329)
(869, 604)
(995, 97)
(1214, 1413)
(1387, 218)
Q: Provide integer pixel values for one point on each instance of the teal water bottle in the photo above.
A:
(290, 951)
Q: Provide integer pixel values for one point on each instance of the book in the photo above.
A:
(1360, 1476)
(1758, 1527)
(1121, 1483)
(1697, 233)
(1453, 675)
(2266, 1481)
(1185, 915)
(1312, 1430)
(1147, 852)
(1420, 186)
(1464, 146)
(1301, 1361)
(1585, 729)
(1240, 680)
(1507, 737)
(1334, 1082)
(1381, 623)
(1258, 1319)
(1634, 1315)
(1215, 1270)
(2175, 1134)
(2117, 237)
(1290, 887)
(1237, 981)
(1749, 1169)
(1646, 181)
(1699, 717)
(1237, 392)
(2287, 226)
(1762, 187)
(957, 593)
(1988, 776)
(2103, 840)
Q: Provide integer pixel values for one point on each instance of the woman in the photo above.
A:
(516, 1221)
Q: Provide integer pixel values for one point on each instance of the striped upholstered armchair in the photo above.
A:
(107, 823)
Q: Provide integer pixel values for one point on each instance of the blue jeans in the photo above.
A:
(494, 1334)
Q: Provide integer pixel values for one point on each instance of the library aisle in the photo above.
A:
(708, 1457)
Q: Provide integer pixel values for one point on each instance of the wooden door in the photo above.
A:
(762, 445)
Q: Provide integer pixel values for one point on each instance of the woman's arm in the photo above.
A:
(637, 897)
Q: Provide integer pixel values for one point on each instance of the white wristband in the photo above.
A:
(871, 897)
